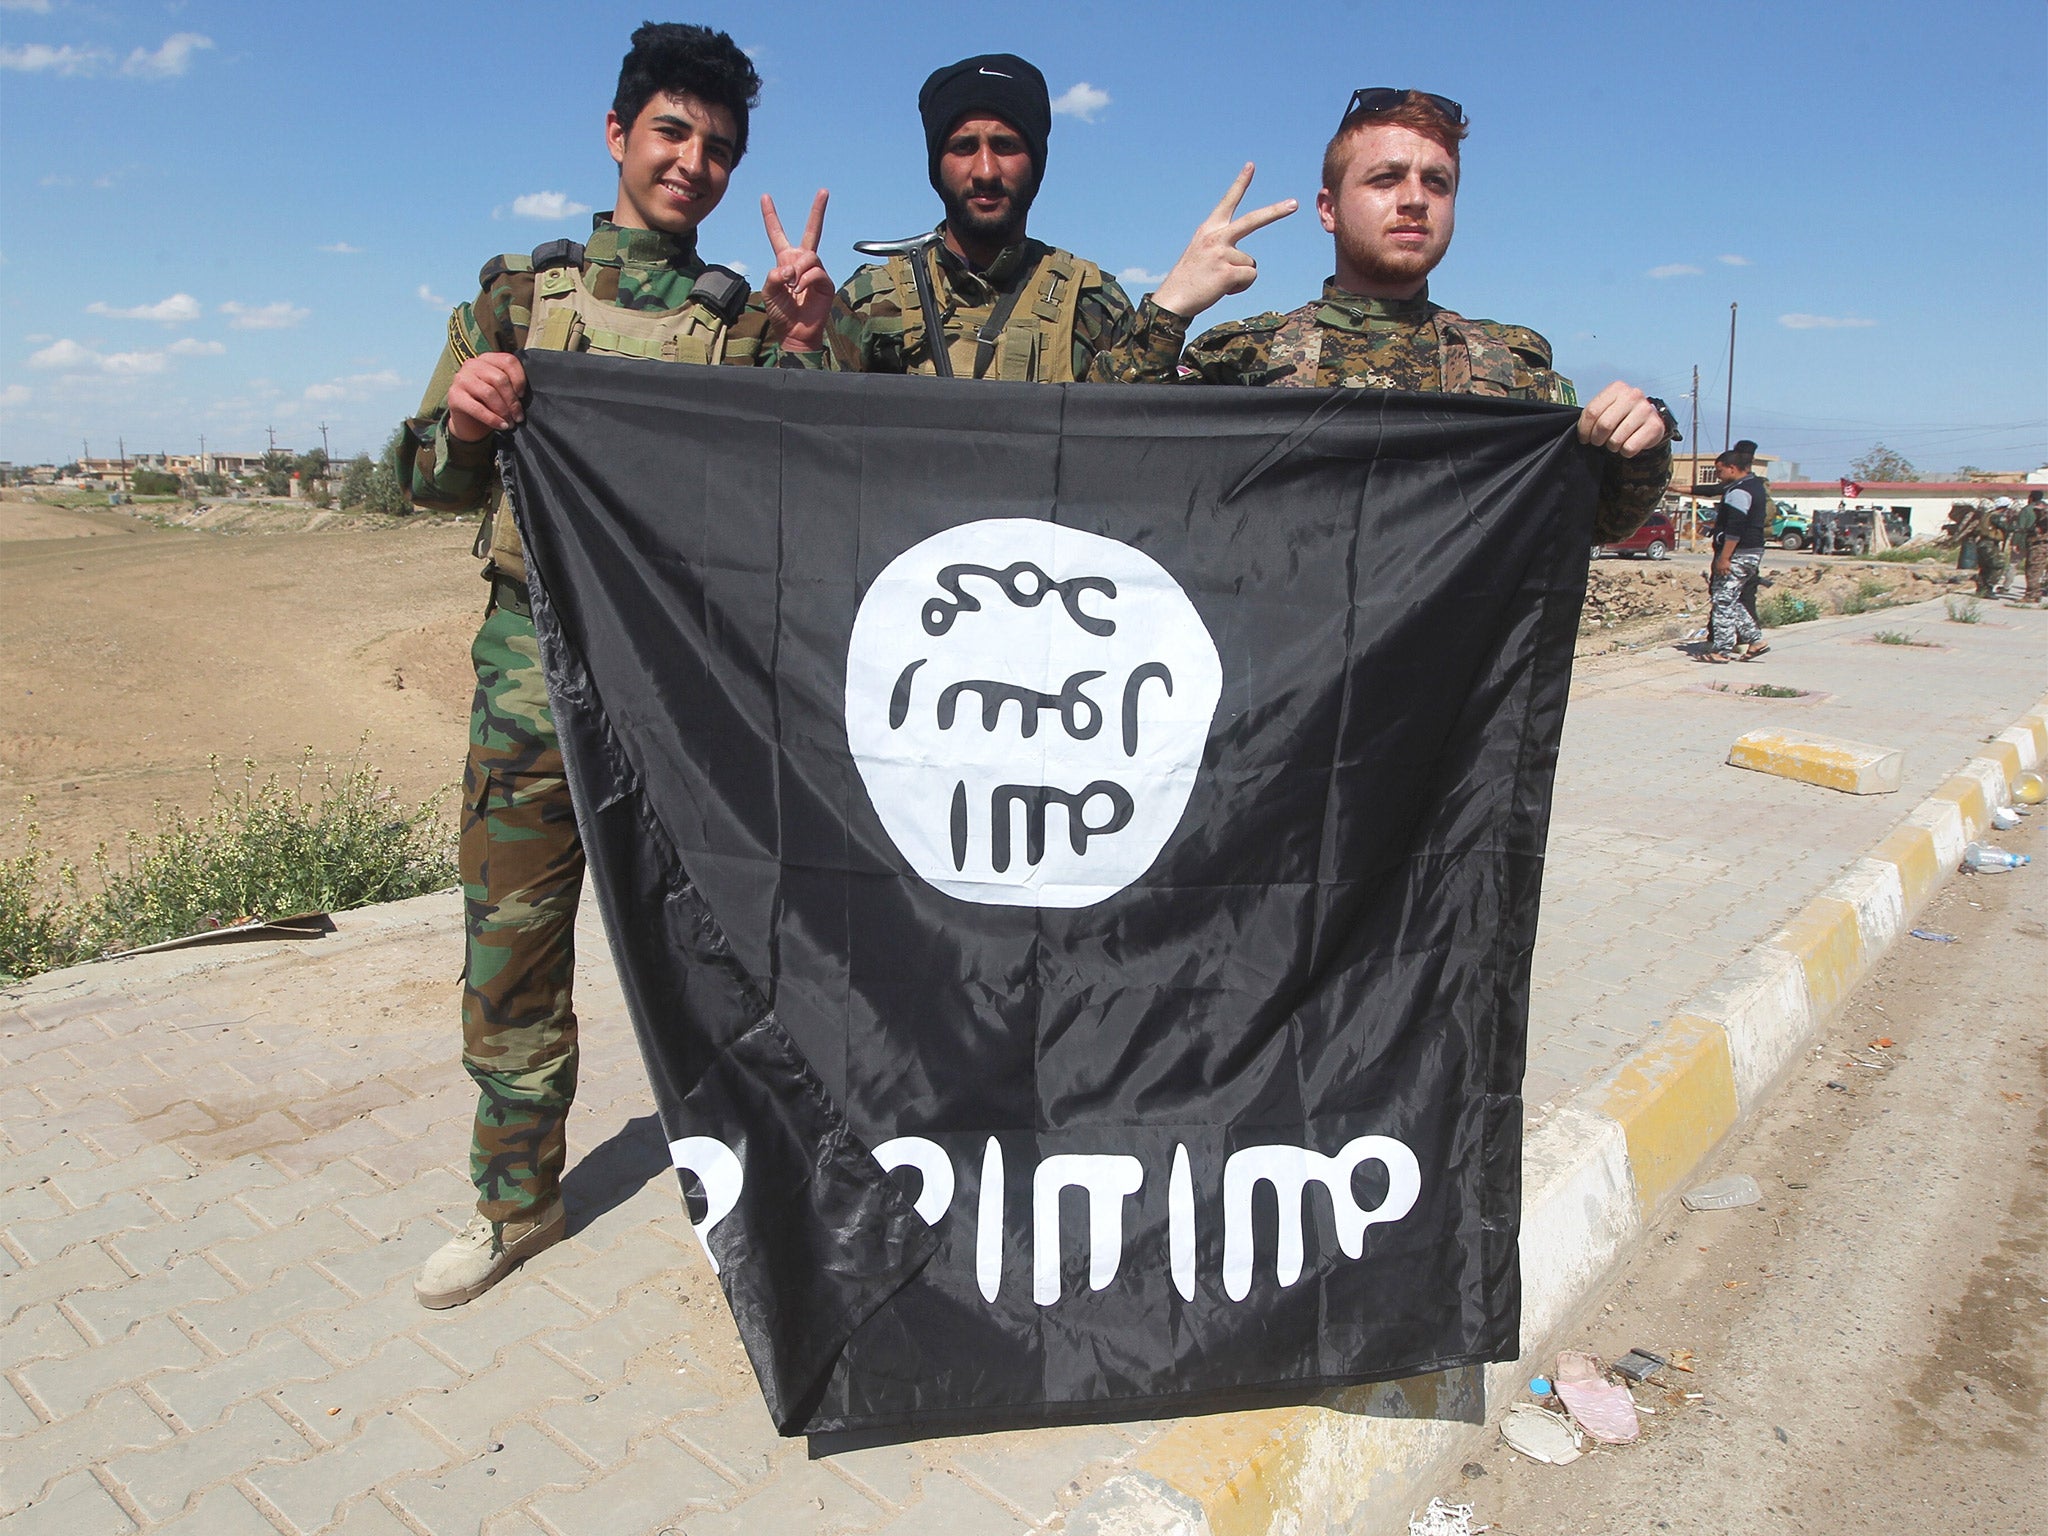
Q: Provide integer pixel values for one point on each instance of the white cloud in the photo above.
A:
(356, 386)
(740, 267)
(1675, 269)
(65, 354)
(133, 362)
(13, 395)
(40, 7)
(1823, 322)
(55, 181)
(192, 346)
(1735, 261)
(1080, 100)
(546, 205)
(41, 58)
(172, 58)
(428, 296)
(68, 357)
(342, 248)
(1139, 277)
(263, 317)
(176, 310)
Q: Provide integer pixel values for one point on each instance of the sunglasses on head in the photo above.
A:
(1384, 98)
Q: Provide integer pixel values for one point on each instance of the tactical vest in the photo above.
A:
(566, 317)
(1025, 335)
(1469, 362)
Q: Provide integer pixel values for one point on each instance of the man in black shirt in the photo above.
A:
(1739, 524)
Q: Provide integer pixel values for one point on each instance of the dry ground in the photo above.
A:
(1869, 1341)
(130, 653)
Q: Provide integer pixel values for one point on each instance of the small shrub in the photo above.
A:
(1772, 691)
(264, 850)
(1893, 637)
(153, 482)
(1908, 554)
(1782, 608)
(1964, 610)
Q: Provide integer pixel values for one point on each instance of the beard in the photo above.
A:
(1005, 228)
(1392, 266)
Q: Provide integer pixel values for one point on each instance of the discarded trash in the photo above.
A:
(1603, 1409)
(1983, 859)
(2030, 788)
(1539, 1386)
(1883, 1043)
(1442, 1519)
(1932, 937)
(1638, 1364)
(1681, 1360)
(1541, 1435)
(1722, 1194)
(2004, 817)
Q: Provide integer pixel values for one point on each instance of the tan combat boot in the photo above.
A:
(485, 1252)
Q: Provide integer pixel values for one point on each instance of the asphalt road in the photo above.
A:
(1870, 1343)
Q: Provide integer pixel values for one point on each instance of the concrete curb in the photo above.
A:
(1594, 1177)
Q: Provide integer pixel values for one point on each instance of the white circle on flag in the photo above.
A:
(1028, 706)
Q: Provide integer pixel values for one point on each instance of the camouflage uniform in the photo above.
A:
(521, 858)
(2031, 524)
(878, 326)
(1983, 548)
(1364, 343)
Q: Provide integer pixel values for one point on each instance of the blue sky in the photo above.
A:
(222, 217)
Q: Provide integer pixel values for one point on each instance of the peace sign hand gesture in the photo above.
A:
(798, 290)
(1212, 265)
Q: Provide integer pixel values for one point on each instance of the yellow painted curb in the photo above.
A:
(1828, 942)
(1854, 767)
(1967, 796)
(1674, 1099)
(2007, 756)
(1910, 850)
(1237, 1466)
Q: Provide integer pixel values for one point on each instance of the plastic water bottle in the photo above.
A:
(1982, 859)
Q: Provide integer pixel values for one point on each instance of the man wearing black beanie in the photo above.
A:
(1010, 307)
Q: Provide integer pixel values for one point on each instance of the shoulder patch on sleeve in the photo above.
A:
(1250, 326)
(1524, 342)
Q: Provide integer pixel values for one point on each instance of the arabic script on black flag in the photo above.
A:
(1072, 855)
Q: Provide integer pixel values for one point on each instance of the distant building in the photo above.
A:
(1692, 474)
(1928, 500)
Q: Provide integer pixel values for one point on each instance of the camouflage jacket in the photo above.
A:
(1406, 344)
(637, 269)
(869, 322)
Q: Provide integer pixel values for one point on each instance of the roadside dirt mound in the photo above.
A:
(1631, 602)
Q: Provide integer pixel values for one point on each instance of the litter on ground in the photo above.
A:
(1541, 1435)
(1722, 1194)
(1602, 1408)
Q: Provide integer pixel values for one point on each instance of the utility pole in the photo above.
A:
(1727, 420)
(122, 444)
(323, 443)
(1695, 451)
(273, 438)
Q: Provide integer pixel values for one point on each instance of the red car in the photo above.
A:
(1656, 538)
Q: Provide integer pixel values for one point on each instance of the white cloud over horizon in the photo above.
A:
(263, 317)
(355, 386)
(15, 394)
(1735, 261)
(41, 58)
(1080, 100)
(1797, 322)
(169, 59)
(1676, 269)
(1141, 277)
(546, 205)
(178, 309)
(68, 356)
(428, 296)
(342, 248)
(192, 346)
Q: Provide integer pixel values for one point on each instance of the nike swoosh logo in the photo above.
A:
(985, 70)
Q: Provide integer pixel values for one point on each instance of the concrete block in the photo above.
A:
(1579, 1212)
(310, 1493)
(460, 1497)
(662, 1482)
(67, 1385)
(198, 1397)
(333, 1405)
(111, 1312)
(806, 1497)
(77, 1506)
(80, 1270)
(160, 1481)
(89, 1186)
(118, 1422)
(1674, 1100)
(1853, 767)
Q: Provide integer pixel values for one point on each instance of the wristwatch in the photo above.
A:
(1670, 421)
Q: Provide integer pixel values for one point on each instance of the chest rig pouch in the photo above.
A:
(566, 317)
(1025, 336)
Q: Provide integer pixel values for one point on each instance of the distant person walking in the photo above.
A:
(1746, 462)
(2030, 531)
(1983, 534)
(1739, 523)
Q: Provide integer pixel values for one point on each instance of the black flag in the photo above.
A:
(1072, 855)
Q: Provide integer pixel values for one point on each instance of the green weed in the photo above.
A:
(1772, 691)
(1782, 608)
(1908, 554)
(1964, 610)
(263, 850)
(1895, 637)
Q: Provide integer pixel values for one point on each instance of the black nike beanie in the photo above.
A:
(1000, 84)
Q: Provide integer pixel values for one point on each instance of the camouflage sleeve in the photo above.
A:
(1629, 491)
(440, 471)
(865, 333)
(748, 344)
(1236, 353)
(1101, 317)
(1145, 350)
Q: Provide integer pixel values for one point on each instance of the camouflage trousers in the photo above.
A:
(1731, 624)
(2037, 567)
(522, 876)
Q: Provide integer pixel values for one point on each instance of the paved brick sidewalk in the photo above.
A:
(222, 1168)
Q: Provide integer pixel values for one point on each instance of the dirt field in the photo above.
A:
(135, 644)
(131, 652)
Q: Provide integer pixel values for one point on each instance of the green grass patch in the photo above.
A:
(1772, 691)
(1871, 592)
(1782, 608)
(1908, 554)
(1897, 637)
(265, 849)
(1964, 610)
